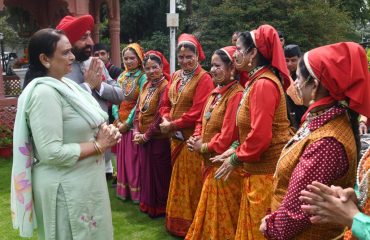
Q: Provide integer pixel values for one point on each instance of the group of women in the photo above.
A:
(215, 153)
(218, 147)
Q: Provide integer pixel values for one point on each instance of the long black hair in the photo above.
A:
(45, 42)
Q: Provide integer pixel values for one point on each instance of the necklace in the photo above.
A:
(214, 103)
(247, 89)
(362, 180)
(151, 90)
(254, 70)
(129, 83)
(301, 134)
(184, 79)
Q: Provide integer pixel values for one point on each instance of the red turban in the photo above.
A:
(166, 65)
(188, 38)
(268, 44)
(76, 27)
(342, 68)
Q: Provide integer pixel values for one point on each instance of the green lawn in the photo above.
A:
(128, 221)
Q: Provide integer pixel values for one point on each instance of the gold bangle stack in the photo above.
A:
(204, 148)
(98, 148)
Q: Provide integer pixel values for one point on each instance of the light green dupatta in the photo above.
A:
(23, 214)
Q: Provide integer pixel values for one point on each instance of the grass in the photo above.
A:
(128, 221)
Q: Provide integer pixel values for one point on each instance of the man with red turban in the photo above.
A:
(90, 72)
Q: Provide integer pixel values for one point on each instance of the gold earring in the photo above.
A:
(232, 78)
(311, 102)
(250, 63)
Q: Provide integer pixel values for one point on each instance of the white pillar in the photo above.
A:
(172, 23)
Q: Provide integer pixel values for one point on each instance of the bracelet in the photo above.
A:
(234, 161)
(235, 144)
(98, 148)
(204, 148)
(144, 138)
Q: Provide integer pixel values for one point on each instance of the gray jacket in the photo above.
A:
(110, 91)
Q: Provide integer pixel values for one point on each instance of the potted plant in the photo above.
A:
(6, 141)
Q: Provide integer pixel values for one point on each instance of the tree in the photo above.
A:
(140, 18)
(158, 41)
(358, 10)
(308, 23)
(11, 37)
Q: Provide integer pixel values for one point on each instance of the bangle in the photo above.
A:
(144, 138)
(235, 144)
(204, 148)
(98, 148)
(234, 161)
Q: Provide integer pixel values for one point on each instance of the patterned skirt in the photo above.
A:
(255, 204)
(185, 188)
(218, 209)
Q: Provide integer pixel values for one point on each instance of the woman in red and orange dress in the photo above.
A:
(263, 125)
(182, 106)
(333, 82)
(131, 82)
(218, 209)
(154, 147)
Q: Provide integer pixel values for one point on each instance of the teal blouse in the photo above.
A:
(361, 223)
(141, 82)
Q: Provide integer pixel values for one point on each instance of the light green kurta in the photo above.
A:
(57, 130)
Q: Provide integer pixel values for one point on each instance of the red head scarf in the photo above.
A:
(268, 44)
(166, 65)
(188, 38)
(342, 68)
(230, 50)
(76, 27)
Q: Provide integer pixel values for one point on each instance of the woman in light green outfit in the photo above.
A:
(58, 175)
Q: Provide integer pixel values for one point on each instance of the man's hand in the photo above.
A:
(93, 76)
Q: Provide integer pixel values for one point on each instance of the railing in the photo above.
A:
(8, 110)
(12, 86)
(9, 91)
